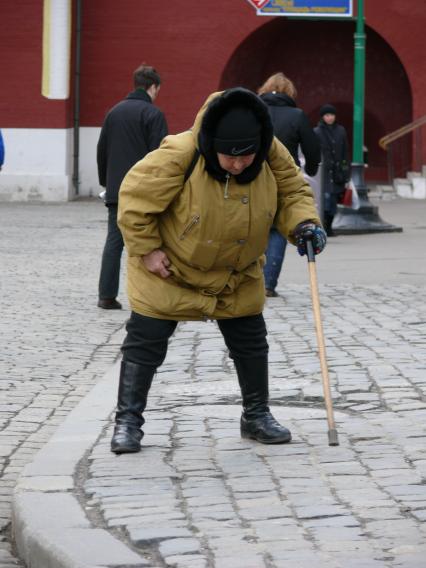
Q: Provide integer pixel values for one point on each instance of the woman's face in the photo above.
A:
(329, 118)
(235, 164)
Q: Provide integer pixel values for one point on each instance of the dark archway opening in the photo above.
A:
(318, 57)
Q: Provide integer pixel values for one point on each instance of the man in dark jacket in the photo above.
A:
(292, 128)
(131, 129)
(334, 147)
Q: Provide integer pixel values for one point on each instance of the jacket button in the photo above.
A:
(244, 199)
(241, 241)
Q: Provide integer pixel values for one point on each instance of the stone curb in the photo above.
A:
(50, 528)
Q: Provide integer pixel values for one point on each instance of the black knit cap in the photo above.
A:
(238, 133)
(327, 109)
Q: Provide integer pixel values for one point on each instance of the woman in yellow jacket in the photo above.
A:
(196, 247)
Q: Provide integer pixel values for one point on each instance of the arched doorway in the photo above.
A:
(318, 57)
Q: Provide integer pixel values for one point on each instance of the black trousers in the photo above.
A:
(147, 338)
(109, 278)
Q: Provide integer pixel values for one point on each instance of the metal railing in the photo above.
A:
(404, 158)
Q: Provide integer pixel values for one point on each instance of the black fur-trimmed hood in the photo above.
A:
(205, 124)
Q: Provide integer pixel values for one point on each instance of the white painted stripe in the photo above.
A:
(56, 49)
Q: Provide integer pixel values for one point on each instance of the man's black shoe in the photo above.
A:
(109, 304)
(271, 293)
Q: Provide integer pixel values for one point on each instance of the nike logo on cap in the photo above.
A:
(236, 152)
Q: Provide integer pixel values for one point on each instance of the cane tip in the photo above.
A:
(333, 440)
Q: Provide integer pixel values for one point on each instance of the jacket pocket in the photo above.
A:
(199, 253)
(204, 255)
(192, 223)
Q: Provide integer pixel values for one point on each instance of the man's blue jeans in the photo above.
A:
(274, 258)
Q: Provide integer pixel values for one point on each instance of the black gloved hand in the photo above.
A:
(309, 231)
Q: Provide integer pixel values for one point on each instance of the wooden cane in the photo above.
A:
(332, 432)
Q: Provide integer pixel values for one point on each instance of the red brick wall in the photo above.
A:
(403, 25)
(318, 57)
(21, 102)
(188, 41)
(198, 47)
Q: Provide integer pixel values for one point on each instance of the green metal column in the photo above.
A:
(359, 87)
(365, 219)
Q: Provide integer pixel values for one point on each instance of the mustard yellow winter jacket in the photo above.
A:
(214, 232)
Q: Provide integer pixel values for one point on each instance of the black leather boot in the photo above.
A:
(257, 421)
(135, 382)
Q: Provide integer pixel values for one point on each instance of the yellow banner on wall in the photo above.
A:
(55, 82)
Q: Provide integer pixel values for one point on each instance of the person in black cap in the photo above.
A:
(334, 147)
(195, 217)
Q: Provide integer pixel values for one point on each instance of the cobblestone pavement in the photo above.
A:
(54, 341)
(198, 496)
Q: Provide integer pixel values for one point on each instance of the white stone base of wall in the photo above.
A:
(27, 187)
(89, 184)
(38, 164)
(413, 186)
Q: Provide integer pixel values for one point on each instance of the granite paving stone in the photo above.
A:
(197, 495)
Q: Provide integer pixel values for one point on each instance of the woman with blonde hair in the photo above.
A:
(292, 128)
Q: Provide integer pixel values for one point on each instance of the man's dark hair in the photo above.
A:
(145, 76)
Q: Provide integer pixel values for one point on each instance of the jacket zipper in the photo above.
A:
(191, 224)
(225, 193)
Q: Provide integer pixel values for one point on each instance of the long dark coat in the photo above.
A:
(334, 148)
(292, 128)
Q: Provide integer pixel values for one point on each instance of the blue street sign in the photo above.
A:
(311, 9)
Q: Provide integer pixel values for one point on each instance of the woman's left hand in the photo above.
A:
(310, 231)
